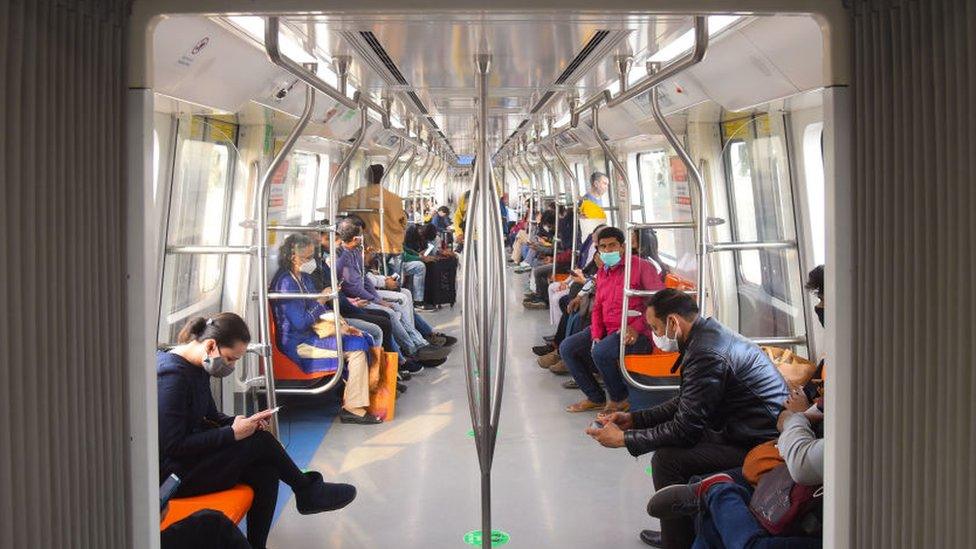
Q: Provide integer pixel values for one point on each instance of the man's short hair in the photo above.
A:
(347, 230)
(611, 232)
(673, 302)
(596, 176)
(374, 174)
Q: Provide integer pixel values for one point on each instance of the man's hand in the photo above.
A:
(387, 304)
(610, 436)
(797, 401)
(563, 286)
(573, 304)
(630, 336)
(624, 420)
(578, 276)
(359, 302)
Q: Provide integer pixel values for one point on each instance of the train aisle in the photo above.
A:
(418, 477)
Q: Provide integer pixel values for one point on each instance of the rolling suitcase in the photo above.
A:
(440, 285)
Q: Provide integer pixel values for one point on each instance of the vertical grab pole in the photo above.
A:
(532, 194)
(575, 194)
(262, 196)
(701, 223)
(556, 188)
(386, 174)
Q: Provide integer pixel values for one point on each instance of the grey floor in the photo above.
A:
(418, 476)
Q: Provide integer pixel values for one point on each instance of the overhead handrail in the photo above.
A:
(640, 87)
(619, 171)
(574, 191)
(271, 46)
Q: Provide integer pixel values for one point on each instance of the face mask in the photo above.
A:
(610, 259)
(308, 267)
(820, 315)
(664, 342)
(217, 366)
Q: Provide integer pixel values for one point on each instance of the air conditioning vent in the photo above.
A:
(581, 56)
(384, 57)
(416, 101)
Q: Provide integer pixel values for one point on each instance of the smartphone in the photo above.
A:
(596, 424)
(268, 413)
(167, 490)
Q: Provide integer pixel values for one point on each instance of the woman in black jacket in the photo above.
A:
(210, 451)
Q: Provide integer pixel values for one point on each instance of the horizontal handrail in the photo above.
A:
(785, 340)
(301, 228)
(739, 246)
(284, 295)
(206, 250)
(271, 46)
(663, 225)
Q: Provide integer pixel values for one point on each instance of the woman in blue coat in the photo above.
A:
(309, 340)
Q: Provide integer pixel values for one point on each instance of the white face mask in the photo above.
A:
(308, 267)
(664, 342)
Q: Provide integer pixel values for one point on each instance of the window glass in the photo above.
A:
(665, 196)
(205, 161)
(740, 171)
(813, 170)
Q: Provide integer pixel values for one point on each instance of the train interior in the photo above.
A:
(750, 113)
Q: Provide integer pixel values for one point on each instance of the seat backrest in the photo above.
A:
(285, 368)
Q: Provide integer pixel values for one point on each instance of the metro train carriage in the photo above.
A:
(446, 274)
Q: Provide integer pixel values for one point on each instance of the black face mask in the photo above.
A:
(820, 315)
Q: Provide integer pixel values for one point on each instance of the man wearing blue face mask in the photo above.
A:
(728, 402)
(599, 346)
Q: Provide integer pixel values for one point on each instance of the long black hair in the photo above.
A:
(227, 329)
(647, 246)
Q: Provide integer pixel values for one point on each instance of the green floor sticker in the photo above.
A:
(471, 433)
(497, 538)
(649, 471)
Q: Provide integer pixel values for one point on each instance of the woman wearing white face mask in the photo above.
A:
(300, 330)
(210, 451)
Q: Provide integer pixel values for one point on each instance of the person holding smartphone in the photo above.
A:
(211, 451)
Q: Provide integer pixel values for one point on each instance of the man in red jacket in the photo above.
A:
(599, 346)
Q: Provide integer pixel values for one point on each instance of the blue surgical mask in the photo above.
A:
(610, 259)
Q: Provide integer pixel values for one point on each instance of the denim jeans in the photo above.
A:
(580, 356)
(418, 273)
(408, 339)
(728, 523)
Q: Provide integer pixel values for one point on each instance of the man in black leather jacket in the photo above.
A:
(728, 402)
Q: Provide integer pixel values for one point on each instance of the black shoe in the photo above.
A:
(429, 352)
(346, 416)
(412, 366)
(536, 305)
(542, 350)
(401, 388)
(682, 500)
(423, 307)
(433, 363)
(404, 375)
(652, 538)
(319, 496)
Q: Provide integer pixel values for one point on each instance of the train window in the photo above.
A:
(299, 189)
(324, 176)
(813, 170)
(665, 196)
(745, 209)
(199, 206)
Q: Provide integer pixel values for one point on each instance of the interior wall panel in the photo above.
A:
(62, 338)
(915, 238)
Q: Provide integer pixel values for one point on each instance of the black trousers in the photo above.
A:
(380, 319)
(542, 274)
(258, 461)
(677, 466)
(206, 529)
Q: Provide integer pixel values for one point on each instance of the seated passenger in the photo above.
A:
(542, 275)
(722, 500)
(376, 323)
(414, 259)
(357, 285)
(729, 399)
(310, 341)
(210, 451)
(442, 219)
(600, 345)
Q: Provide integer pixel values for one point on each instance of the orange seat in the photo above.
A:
(234, 503)
(672, 280)
(560, 277)
(653, 365)
(285, 368)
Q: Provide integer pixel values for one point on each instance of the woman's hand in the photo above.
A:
(573, 304)
(351, 331)
(244, 427)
